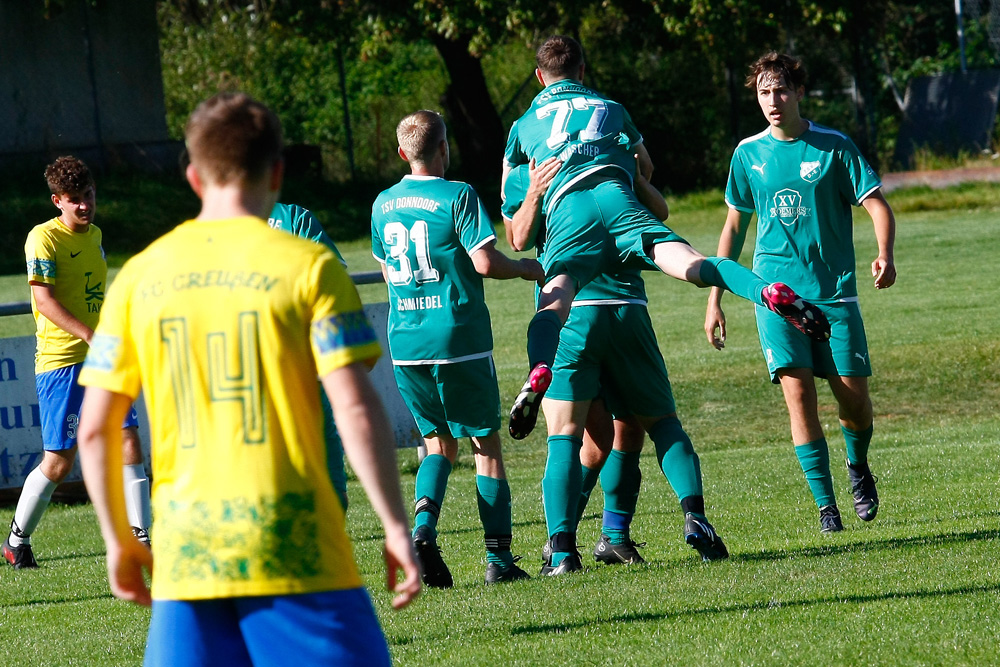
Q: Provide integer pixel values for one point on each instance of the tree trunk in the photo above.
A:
(473, 119)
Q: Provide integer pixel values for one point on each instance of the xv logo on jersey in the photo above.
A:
(788, 207)
(810, 171)
(94, 293)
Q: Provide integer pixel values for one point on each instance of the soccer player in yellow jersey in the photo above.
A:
(225, 324)
(68, 274)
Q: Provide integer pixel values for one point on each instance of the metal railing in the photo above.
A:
(24, 307)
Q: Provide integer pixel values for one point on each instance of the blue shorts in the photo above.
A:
(461, 399)
(329, 628)
(60, 396)
(845, 354)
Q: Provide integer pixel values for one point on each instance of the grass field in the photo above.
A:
(918, 586)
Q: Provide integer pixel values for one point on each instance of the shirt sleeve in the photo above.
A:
(308, 226)
(515, 188)
(859, 179)
(40, 253)
(472, 222)
(514, 154)
(378, 249)
(739, 194)
(340, 333)
(112, 362)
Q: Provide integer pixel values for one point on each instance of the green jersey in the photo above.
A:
(606, 289)
(590, 133)
(424, 232)
(301, 222)
(802, 191)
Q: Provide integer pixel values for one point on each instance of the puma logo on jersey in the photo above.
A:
(759, 168)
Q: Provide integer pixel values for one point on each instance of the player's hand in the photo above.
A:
(127, 560)
(715, 326)
(884, 272)
(540, 176)
(533, 270)
(399, 555)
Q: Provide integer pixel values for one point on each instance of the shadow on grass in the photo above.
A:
(757, 606)
(868, 545)
(62, 600)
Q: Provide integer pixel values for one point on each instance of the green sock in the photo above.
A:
(561, 484)
(589, 481)
(814, 457)
(678, 460)
(432, 480)
(620, 480)
(543, 338)
(857, 444)
(733, 276)
(493, 498)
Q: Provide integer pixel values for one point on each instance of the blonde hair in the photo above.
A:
(419, 135)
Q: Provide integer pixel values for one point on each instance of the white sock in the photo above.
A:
(137, 496)
(35, 496)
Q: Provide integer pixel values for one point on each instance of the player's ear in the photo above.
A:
(277, 175)
(402, 153)
(193, 179)
(540, 77)
(55, 202)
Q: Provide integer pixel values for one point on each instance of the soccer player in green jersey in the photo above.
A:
(801, 179)
(225, 324)
(594, 222)
(67, 272)
(608, 344)
(301, 222)
(435, 243)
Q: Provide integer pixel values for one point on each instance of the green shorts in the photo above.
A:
(461, 399)
(600, 229)
(846, 353)
(611, 350)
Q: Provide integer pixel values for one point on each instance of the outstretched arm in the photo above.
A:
(649, 196)
(523, 227)
(731, 241)
(492, 263)
(371, 450)
(884, 266)
(100, 444)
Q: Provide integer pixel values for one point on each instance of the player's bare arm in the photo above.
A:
(884, 266)
(649, 196)
(523, 227)
(100, 444)
(371, 450)
(731, 241)
(47, 304)
(492, 263)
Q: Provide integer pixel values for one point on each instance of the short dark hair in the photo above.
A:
(419, 135)
(560, 56)
(779, 65)
(68, 176)
(233, 137)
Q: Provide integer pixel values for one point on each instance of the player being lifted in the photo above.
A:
(68, 276)
(593, 221)
(801, 180)
(608, 350)
(435, 242)
(226, 324)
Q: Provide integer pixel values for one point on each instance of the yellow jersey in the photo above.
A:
(225, 325)
(73, 264)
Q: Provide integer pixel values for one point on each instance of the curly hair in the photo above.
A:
(779, 65)
(68, 175)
